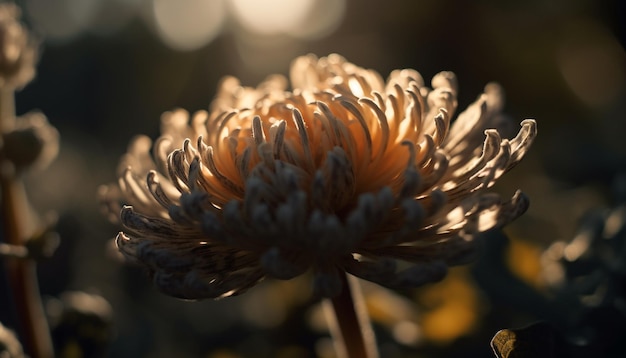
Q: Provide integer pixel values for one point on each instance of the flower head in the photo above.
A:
(344, 173)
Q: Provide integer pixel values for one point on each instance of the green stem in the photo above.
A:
(350, 324)
(21, 273)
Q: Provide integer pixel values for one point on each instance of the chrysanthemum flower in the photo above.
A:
(344, 173)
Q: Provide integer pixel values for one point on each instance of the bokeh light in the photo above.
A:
(453, 307)
(321, 20)
(592, 63)
(307, 19)
(113, 15)
(271, 17)
(269, 33)
(524, 260)
(188, 25)
(61, 20)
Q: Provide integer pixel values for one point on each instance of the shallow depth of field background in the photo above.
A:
(109, 68)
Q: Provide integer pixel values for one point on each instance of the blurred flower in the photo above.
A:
(27, 140)
(17, 50)
(10, 347)
(346, 173)
(33, 142)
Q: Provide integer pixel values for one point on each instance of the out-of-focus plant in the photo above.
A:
(25, 142)
(81, 324)
(584, 282)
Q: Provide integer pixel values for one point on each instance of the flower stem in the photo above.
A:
(21, 273)
(7, 110)
(350, 324)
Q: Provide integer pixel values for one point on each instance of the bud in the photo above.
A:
(18, 52)
(33, 142)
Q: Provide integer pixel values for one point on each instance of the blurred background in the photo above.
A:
(109, 68)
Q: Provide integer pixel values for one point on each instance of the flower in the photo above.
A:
(17, 49)
(345, 173)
